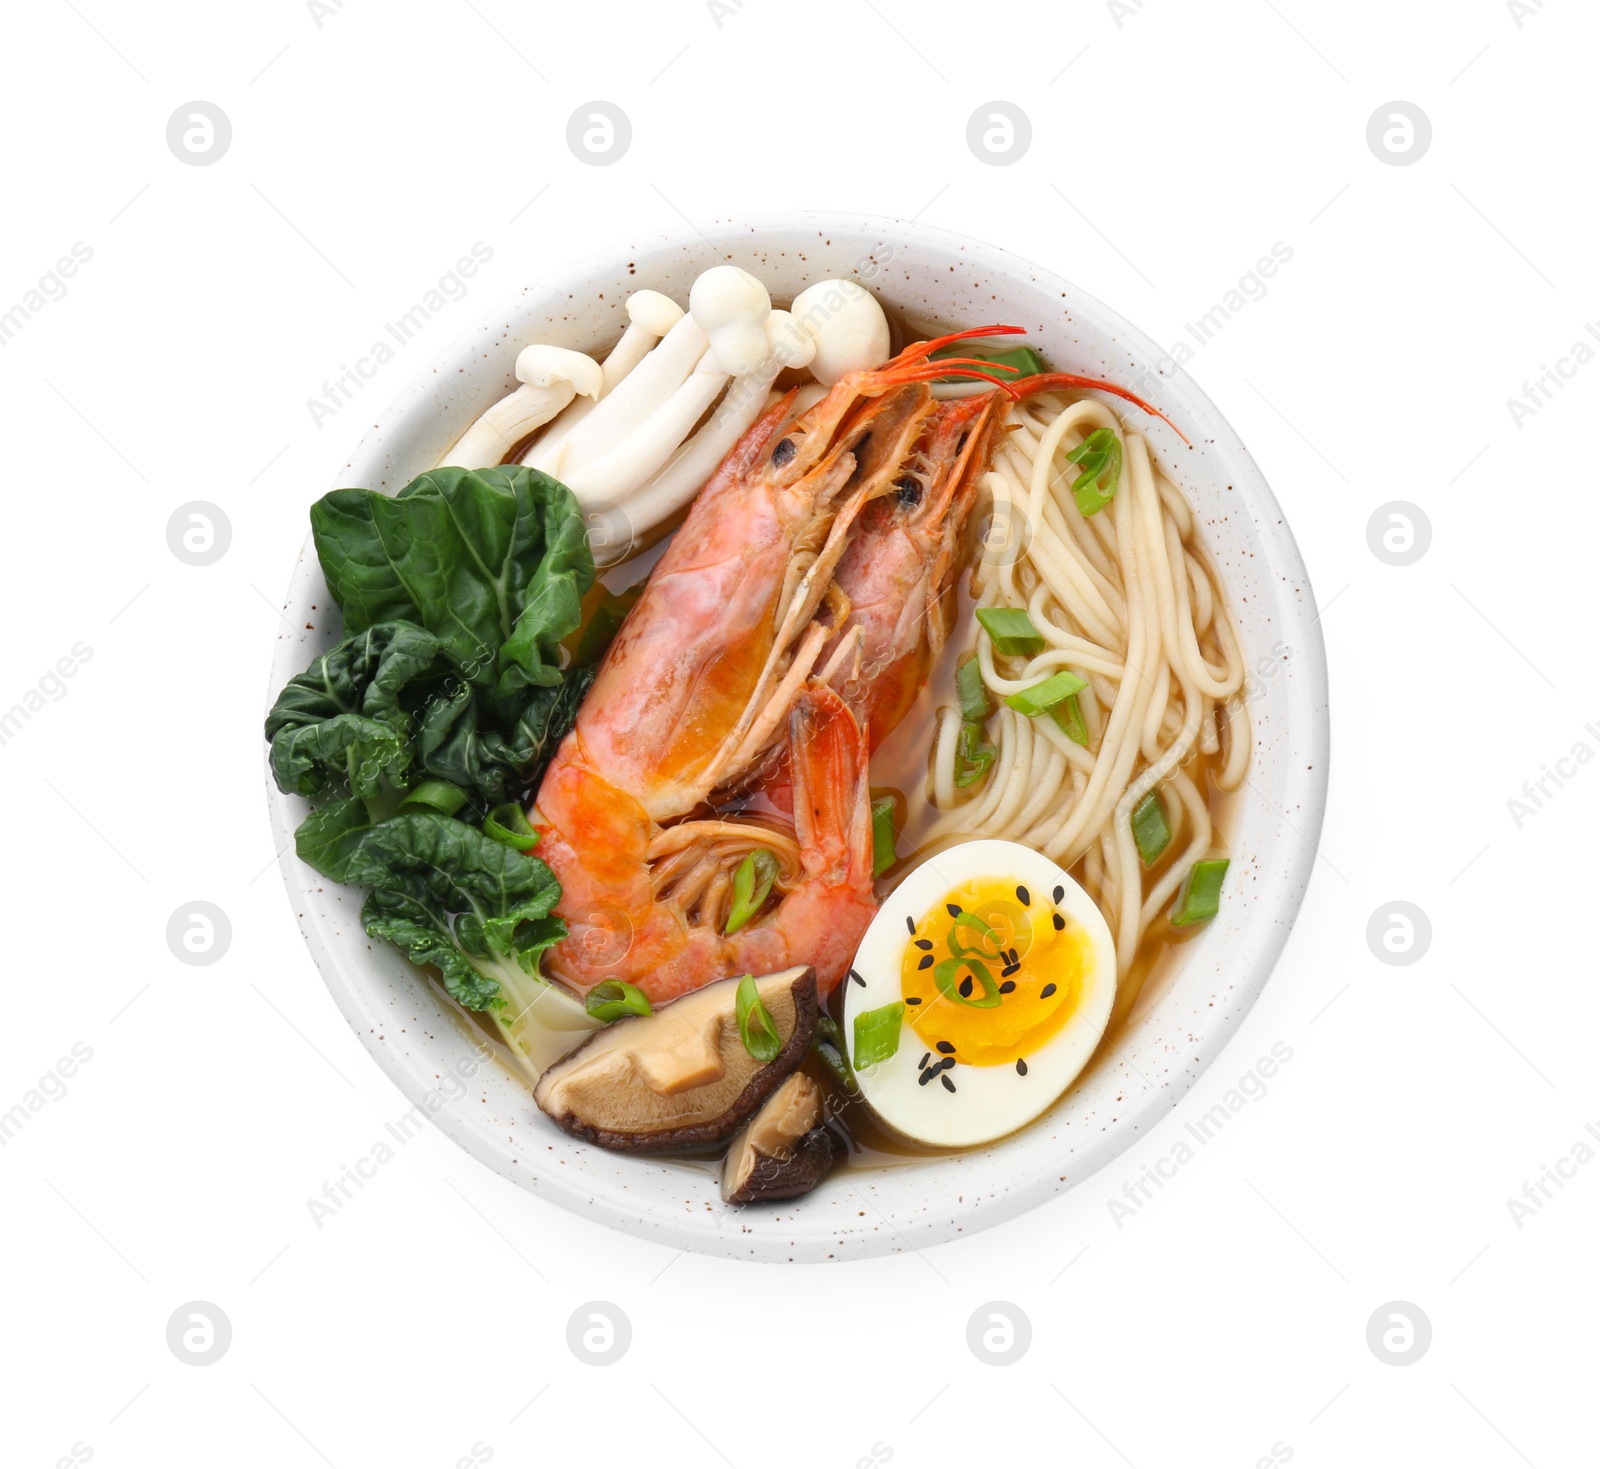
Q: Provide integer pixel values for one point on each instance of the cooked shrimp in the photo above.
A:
(710, 665)
(900, 568)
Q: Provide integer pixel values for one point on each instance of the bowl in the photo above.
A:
(436, 1059)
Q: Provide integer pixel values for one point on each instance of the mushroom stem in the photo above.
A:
(626, 407)
(614, 477)
(682, 477)
(551, 377)
(650, 317)
(507, 424)
(680, 480)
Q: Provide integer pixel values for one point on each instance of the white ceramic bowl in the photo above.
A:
(856, 1213)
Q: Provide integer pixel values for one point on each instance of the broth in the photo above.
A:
(900, 767)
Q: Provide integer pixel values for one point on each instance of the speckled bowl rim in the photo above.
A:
(859, 1213)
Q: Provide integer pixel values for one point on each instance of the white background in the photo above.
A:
(1169, 152)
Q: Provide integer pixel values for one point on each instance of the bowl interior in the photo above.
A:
(437, 1059)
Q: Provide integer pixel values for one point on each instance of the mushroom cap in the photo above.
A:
(782, 1152)
(656, 313)
(541, 366)
(731, 307)
(848, 326)
(790, 340)
(725, 293)
(679, 1077)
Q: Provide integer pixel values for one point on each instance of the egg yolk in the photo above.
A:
(993, 972)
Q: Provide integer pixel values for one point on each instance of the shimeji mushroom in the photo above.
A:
(788, 345)
(732, 307)
(551, 377)
(848, 325)
(650, 317)
(621, 411)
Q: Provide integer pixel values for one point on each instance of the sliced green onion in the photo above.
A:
(878, 1034)
(435, 795)
(1068, 715)
(883, 853)
(611, 999)
(756, 1027)
(1044, 696)
(944, 975)
(507, 824)
(970, 691)
(1011, 630)
(1201, 894)
(751, 885)
(974, 755)
(1025, 360)
(1150, 829)
(1100, 458)
(829, 1046)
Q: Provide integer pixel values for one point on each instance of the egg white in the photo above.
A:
(989, 1101)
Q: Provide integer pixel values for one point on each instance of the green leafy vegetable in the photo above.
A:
(611, 999)
(347, 720)
(1100, 458)
(1042, 697)
(1201, 894)
(1150, 829)
(878, 1034)
(970, 691)
(756, 1027)
(1012, 631)
(462, 738)
(445, 893)
(883, 854)
(751, 885)
(493, 562)
(974, 755)
(1068, 715)
(1024, 361)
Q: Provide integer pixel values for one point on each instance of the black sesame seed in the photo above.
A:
(1022, 1067)
(1010, 969)
(928, 1076)
(924, 1061)
(948, 1063)
(1047, 991)
(1008, 986)
(1011, 958)
(910, 926)
(948, 1085)
(1022, 895)
(966, 988)
(944, 1048)
(953, 909)
(1059, 893)
(1059, 921)
(925, 962)
(924, 943)
(858, 979)
(913, 999)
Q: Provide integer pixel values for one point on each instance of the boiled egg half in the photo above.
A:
(979, 993)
